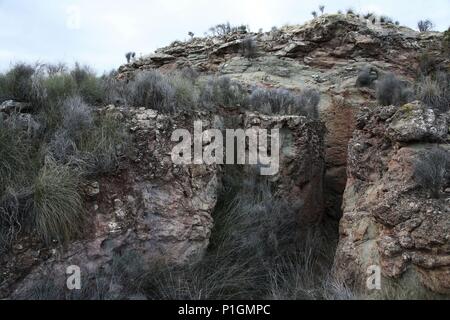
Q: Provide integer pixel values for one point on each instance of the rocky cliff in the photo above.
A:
(326, 53)
(389, 218)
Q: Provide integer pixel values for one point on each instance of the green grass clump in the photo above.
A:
(58, 212)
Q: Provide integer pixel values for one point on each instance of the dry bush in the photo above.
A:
(430, 170)
(391, 91)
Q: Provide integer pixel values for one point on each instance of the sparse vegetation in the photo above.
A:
(434, 93)
(57, 206)
(425, 25)
(366, 76)
(391, 91)
(249, 48)
(223, 29)
(258, 251)
(152, 90)
(16, 83)
(45, 154)
(281, 101)
(430, 170)
(446, 41)
(130, 56)
(222, 92)
(322, 9)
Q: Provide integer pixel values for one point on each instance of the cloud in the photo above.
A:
(47, 30)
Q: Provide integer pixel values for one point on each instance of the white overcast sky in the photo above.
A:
(100, 32)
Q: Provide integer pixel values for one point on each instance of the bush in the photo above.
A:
(89, 86)
(433, 93)
(430, 170)
(14, 152)
(62, 147)
(366, 76)
(11, 216)
(186, 95)
(222, 92)
(17, 82)
(114, 90)
(58, 211)
(249, 48)
(152, 90)
(308, 103)
(281, 101)
(425, 25)
(428, 64)
(392, 91)
(77, 116)
(272, 100)
(446, 41)
(100, 148)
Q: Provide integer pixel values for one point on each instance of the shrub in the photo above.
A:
(58, 212)
(281, 101)
(314, 14)
(190, 73)
(87, 83)
(17, 82)
(321, 9)
(430, 170)
(129, 56)
(62, 147)
(392, 91)
(272, 100)
(11, 217)
(14, 150)
(433, 94)
(114, 90)
(152, 90)
(386, 19)
(366, 76)
(100, 149)
(77, 116)
(223, 92)
(221, 29)
(308, 103)
(425, 25)
(249, 48)
(185, 92)
(428, 64)
(58, 68)
(446, 41)
(4, 94)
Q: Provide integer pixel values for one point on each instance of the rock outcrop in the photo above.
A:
(150, 206)
(326, 53)
(389, 220)
(163, 211)
(302, 162)
(160, 210)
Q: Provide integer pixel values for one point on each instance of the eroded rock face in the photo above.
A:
(302, 162)
(163, 211)
(152, 207)
(326, 53)
(389, 220)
